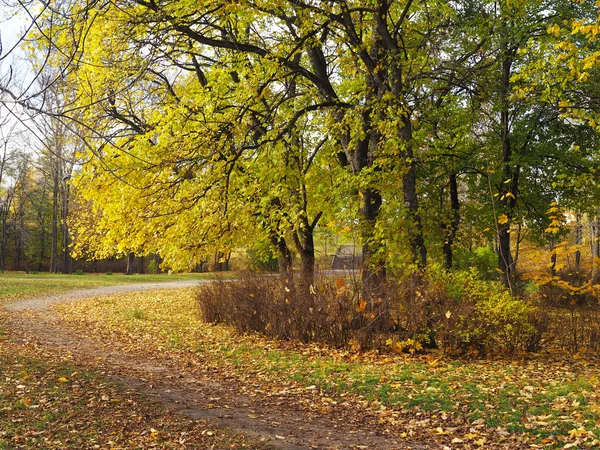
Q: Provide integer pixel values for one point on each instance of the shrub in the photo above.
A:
(455, 310)
(323, 312)
(79, 272)
(153, 266)
(483, 259)
(459, 311)
(108, 273)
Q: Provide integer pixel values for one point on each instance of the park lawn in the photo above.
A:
(50, 402)
(546, 400)
(19, 285)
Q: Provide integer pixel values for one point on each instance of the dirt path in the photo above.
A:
(47, 301)
(283, 420)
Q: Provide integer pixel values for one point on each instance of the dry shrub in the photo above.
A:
(574, 311)
(575, 328)
(322, 312)
(457, 311)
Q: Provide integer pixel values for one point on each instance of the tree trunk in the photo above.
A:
(578, 239)
(221, 262)
(508, 191)
(3, 244)
(304, 241)
(66, 251)
(285, 258)
(593, 234)
(553, 258)
(130, 261)
(596, 250)
(409, 188)
(42, 245)
(55, 207)
(452, 227)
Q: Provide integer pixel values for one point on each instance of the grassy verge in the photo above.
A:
(550, 400)
(17, 285)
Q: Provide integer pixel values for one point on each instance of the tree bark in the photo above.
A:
(54, 256)
(508, 190)
(130, 261)
(578, 239)
(411, 200)
(452, 228)
(285, 263)
(553, 258)
(66, 241)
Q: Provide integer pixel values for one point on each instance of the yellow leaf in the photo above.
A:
(502, 219)
(362, 305)
(62, 380)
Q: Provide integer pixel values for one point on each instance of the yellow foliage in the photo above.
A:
(503, 219)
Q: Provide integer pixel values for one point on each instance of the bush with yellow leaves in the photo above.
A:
(458, 311)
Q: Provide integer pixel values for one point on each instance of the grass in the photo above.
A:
(18, 285)
(551, 400)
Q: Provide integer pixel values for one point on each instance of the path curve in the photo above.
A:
(284, 421)
(47, 301)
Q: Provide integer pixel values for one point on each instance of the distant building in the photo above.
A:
(347, 257)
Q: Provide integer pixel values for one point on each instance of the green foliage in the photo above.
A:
(78, 272)
(483, 259)
(463, 312)
(261, 258)
(153, 266)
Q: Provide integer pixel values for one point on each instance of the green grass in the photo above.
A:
(18, 285)
(545, 398)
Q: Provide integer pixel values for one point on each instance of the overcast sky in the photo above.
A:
(12, 28)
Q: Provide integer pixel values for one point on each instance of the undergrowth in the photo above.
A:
(457, 311)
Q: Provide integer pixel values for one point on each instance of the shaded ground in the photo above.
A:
(190, 390)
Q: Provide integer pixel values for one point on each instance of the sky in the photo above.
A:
(12, 28)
